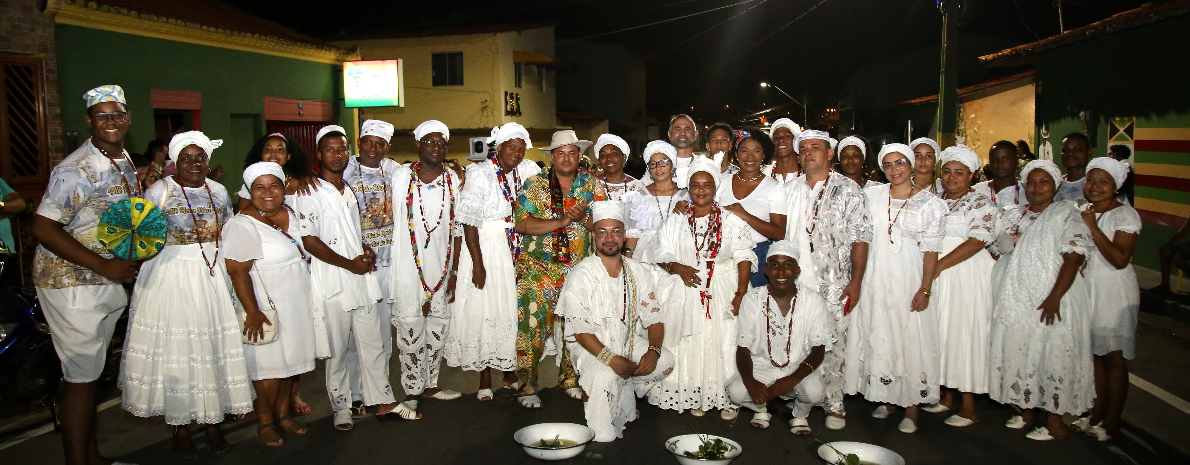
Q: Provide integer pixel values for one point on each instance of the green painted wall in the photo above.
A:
(233, 86)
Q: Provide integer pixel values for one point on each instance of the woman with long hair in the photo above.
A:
(293, 158)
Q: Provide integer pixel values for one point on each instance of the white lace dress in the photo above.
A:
(962, 296)
(617, 191)
(702, 330)
(892, 351)
(184, 359)
(646, 213)
(1034, 365)
(1115, 294)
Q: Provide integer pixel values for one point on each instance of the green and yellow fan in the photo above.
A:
(133, 229)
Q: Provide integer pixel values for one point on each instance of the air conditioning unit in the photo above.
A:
(479, 149)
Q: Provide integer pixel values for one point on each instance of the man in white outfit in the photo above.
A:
(344, 281)
(613, 327)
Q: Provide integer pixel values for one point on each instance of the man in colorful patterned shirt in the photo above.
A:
(553, 213)
(78, 281)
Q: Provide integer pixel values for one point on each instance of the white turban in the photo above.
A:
(507, 132)
(430, 127)
(782, 247)
(925, 140)
(811, 134)
(189, 138)
(259, 169)
(662, 147)
(852, 141)
(607, 210)
(701, 163)
(1117, 169)
(962, 154)
(375, 127)
(788, 124)
(327, 130)
(611, 139)
(1044, 165)
(895, 148)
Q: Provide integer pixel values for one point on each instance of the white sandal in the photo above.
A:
(959, 422)
(881, 412)
(1081, 425)
(1097, 433)
(530, 402)
(1040, 434)
(800, 427)
(405, 410)
(834, 423)
(761, 420)
(729, 413)
(936, 408)
(575, 393)
(343, 420)
(446, 394)
(484, 395)
(1015, 422)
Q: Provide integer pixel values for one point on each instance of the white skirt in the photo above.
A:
(962, 298)
(483, 322)
(183, 357)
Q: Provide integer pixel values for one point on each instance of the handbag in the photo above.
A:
(270, 330)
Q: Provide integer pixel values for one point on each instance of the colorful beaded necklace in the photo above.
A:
(415, 185)
(708, 245)
(768, 333)
(211, 264)
(514, 239)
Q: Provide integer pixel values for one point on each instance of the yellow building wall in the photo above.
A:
(1001, 113)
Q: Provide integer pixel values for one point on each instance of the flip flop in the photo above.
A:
(294, 426)
(267, 435)
(761, 420)
(300, 409)
(799, 427)
(405, 410)
(484, 395)
(1097, 433)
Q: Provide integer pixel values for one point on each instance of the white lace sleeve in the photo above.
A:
(933, 215)
(738, 234)
(631, 201)
(473, 201)
(1126, 220)
(981, 219)
(1076, 237)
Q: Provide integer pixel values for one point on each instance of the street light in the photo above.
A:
(805, 111)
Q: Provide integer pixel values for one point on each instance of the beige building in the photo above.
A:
(470, 79)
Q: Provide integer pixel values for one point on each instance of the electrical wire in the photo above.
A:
(688, 39)
(654, 23)
(750, 47)
(1018, 15)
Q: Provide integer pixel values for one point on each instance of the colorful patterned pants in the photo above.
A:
(538, 286)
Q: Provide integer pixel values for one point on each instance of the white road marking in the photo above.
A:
(50, 427)
(1175, 401)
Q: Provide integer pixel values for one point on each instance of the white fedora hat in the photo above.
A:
(566, 137)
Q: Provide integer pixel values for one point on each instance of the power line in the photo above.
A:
(750, 47)
(655, 22)
(1018, 15)
(688, 39)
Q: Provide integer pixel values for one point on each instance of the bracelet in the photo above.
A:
(924, 292)
(627, 250)
(655, 349)
(807, 364)
(605, 356)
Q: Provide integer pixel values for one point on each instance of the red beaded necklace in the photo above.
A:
(211, 264)
(768, 333)
(709, 245)
(514, 239)
(415, 184)
(814, 221)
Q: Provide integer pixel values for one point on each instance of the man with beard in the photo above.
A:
(345, 287)
(614, 327)
(784, 167)
(682, 135)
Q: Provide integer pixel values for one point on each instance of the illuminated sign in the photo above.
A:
(377, 83)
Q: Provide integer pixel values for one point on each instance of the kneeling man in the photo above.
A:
(613, 327)
(783, 333)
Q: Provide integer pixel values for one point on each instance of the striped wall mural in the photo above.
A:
(1162, 170)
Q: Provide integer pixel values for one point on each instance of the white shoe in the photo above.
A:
(936, 408)
(959, 422)
(1016, 422)
(484, 395)
(729, 413)
(446, 394)
(881, 412)
(530, 402)
(1040, 434)
(575, 393)
(907, 426)
(834, 423)
(1097, 433)
(698, 413)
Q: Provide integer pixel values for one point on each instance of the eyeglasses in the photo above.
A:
(440, 144)
(898, 163)
(657, 164)
(117, 116)
(604, 231)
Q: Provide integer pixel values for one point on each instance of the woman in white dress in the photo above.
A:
(269, 269)
(708, 254)
(483, 315)
(891, 344)
(1115, 295)
(649, 206)
(184, 359)
(611, 152)
(962, 294)
(757, 199)
(1040, 345)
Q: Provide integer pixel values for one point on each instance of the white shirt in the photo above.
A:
(768, 198)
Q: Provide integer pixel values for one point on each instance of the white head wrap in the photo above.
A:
(611, 139)
(852, 141)
(507, 132)
(925, 140)
(783, 247)
(188, 138)
(430, 127)
(662, 147)
(895, 148)
(262, 168)
(607, 209)
(701, 163)
(375, 127)
(788, 124)
(811, 134)
(1044, 165)
(962, 154)
(1117, 169)
(327, 130)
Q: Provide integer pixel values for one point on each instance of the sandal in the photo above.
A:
(405, 410)
(1097, 433)
(358, 410)
(293, 426)
(530, 402)
(343, 420)
(799, 427)
(445, 394)
(267, 434)
(761, 420)
(300, 409)
(1081, 425)
(729, 414)
(484, 395)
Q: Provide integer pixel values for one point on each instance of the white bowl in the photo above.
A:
(690, 442)
(530, 435)
(866, 452)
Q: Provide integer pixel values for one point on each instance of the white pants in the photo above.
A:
(831, 369)
(82, 320)
(806, 394)
(611, 402)
(384, 308)
(358, 328)
(420, 340)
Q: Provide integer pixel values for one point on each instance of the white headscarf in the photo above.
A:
(925, 140)
(852, 141)
(507, 132)
(430, 127)
(811, 134)
(701, 163)
(962, 154)
(1044, 165)
(783, 247)
(375, 127)
(262, 168)
(662, 147)
(895, 148)
(327, 130)
(785, 123)
(607, 209)
(1117, 169)
(188, 138)
(611, 139)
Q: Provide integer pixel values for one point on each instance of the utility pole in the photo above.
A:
(948, 99)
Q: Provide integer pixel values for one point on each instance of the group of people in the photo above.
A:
(682, 287)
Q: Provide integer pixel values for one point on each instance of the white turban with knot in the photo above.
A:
(1117, 169)
(507, 132)
(962, 154)
(607, 210)
(430, 127)
(262, 168)
(700, 163)
(811, 134)
(611, 139)
(787, 124)
(925, 140)
(783, 247)
(1044, 165)
(895, 148)
(662, 147)
(375, 127)
(852, 141)
(327, 130)
(189, 138)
